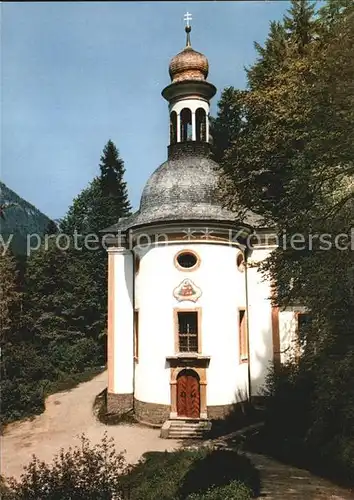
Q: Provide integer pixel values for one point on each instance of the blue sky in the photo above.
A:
(79, 73)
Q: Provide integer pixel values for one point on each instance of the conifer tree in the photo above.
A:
(271, 56)
(286, 39)
(82, 214)
(97, 207)
(226, 127)
(114, 188)
(52, 228)
(105, 199)
(300, 24)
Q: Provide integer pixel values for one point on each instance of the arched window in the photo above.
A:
(200, 121)
(173, 127)
(186, 124)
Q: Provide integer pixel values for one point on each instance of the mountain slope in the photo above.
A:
(20, 219)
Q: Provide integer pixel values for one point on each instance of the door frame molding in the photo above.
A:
(184, 379)
(201, 372)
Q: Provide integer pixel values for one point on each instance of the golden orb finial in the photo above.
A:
(188, 64)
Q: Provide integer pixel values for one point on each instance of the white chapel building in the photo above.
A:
(191, 327)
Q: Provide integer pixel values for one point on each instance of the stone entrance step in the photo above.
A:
(185, 429)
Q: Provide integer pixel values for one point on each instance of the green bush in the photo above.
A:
(310, 415)
(184, 473)
(82, 473)
(289, 392)
(99, 472)
(232, 491)
(29, 374)
(24, 379)
(160, 475)
(75, 356)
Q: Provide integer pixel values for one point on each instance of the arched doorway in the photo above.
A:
(188, 394)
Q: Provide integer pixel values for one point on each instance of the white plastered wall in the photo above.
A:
(223, 292)
(260, 321)
(123, 321)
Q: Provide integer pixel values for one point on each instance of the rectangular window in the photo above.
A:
(243, 341)
(187, 331)
(303, 325)
(136, 335)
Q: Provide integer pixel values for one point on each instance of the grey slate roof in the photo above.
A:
(183, 188)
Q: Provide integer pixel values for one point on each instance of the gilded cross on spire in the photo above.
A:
(187, 18)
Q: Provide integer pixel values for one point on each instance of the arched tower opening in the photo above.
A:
(188, 95)
(201, 125)
(173, 127)
(186, 125)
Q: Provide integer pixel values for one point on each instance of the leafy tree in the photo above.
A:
(25, 377)
(10, 296)
(47, 284)
(57, 313)
(292, 163)
(331, 12)
(22, 369)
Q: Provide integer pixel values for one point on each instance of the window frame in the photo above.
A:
(136, 335)
(297, 331)
(176, 312)
(240, 262)
(187, 269)
(242, 335)
(136, 263)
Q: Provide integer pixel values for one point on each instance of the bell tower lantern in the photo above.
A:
(189, 94)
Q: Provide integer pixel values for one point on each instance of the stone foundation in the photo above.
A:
(119, 403)
(151, 413)
(219, 411)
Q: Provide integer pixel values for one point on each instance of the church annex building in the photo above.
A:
(191, 327)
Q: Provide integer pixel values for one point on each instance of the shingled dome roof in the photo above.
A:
(182, 189)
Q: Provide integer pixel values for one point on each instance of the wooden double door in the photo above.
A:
(188, 394)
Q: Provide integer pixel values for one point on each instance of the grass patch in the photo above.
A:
(100, 410)
(193, 475)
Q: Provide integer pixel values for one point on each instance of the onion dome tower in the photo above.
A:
(188, 95)
(186, 186)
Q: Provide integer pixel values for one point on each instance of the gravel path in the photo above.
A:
(67, 415)
(284, 482)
